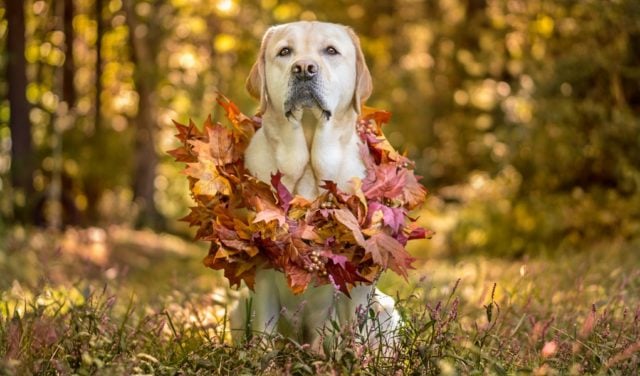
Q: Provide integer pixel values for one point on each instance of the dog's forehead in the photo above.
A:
(310, 33)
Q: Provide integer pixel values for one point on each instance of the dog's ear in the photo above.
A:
(364, 84)
(257, 82)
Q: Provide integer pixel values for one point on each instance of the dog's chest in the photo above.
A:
(308, 124)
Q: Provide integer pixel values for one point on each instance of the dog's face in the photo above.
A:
(312, 65)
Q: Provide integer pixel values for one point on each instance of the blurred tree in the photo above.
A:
(68, 86)
(22, 156)
(93, 187)
(144, 49)
(523, 115)
(99, 35)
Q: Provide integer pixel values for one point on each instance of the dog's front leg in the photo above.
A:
(266, 303)
(278, 146)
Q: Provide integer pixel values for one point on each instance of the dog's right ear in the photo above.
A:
(257, 82)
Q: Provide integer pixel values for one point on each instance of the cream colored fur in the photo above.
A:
(308, 146)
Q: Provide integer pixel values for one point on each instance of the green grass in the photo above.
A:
(125, 302)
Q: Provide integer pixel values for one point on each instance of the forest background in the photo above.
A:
(522, 116)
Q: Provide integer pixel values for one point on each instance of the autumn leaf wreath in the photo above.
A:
(338, 238)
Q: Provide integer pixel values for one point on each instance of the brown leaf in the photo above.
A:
(297, 278)
(413, 193)
(388, 252)
(269, 215)
(346, 218)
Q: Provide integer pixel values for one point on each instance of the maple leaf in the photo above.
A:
(256, 194)
(413, 193)
(379, 117)
(200, 217)
(219, 146)
(297, 278)
(284, 196)
(356, 184)
(332, 188)
(384, 181)
(252, 224)
(186, 133)
(347, 219)
(414, 231)
(299, 207)
(184, 153)
(243, 126)
(208, 180)
(388, 252)
(344, 276)
(335, 258)
(392, 217)
(269, 215)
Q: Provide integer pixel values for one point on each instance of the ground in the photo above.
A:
(118, 301)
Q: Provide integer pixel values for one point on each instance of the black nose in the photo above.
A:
(304, 69)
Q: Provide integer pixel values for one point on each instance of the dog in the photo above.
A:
(311, 79)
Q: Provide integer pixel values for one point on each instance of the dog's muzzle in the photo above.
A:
(305, 90)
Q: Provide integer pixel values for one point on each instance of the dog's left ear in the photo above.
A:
(364, 84)
(257, 82)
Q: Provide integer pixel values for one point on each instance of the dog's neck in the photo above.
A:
(309, 122)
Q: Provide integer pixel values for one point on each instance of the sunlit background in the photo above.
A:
(522, 115)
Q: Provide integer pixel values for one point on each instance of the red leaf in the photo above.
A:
(384, 181)
(332, 187)
(416, 232)
(392, 217)
(337, 259)
(388, 252)
(284, 230)
(284, 196)
(344, 277)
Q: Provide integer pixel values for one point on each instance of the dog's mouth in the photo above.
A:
(305, 95)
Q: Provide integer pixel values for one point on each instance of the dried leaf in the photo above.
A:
(253, 224)
(269, 215)
(297, 278)
(347, 219)
(284, 196)
(392, 217)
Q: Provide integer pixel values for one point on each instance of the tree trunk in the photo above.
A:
(22, 160)
(99, 32)
(68, 88)
(145, 157)
(93, 188)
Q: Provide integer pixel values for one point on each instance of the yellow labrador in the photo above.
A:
(310, 78)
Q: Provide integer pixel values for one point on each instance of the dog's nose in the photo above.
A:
(304, 69)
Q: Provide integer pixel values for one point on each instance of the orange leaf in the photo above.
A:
(347, 218)
(269, 215)
(297, 278)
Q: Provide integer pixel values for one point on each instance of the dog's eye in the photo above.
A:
(284, 51)
(331, 50)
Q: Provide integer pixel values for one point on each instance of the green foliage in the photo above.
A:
(545, 90)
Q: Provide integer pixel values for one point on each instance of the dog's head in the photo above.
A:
(314, 65)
